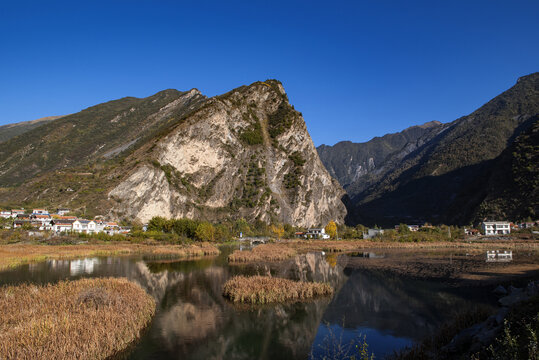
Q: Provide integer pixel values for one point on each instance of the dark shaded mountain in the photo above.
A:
(11, 130)
(450, 175)
(513, 188)
(246, 153)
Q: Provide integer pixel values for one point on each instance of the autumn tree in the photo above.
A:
(277, 230)
(205, 232)
(331, 229)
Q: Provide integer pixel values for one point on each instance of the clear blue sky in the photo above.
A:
(356, 69)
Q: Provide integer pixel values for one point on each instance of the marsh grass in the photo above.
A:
(83, 319)
(16, 254)
(264, 252)
(355, 245)
(264, 290)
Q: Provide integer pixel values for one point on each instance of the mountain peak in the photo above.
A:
(530, 77)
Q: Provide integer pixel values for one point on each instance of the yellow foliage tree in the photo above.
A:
(277, 230)
(331, 229)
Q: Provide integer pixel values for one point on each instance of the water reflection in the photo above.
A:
(194, 321)
(499, 256)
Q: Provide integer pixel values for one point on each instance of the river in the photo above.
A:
(194, 321)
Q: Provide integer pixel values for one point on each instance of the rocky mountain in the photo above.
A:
(447, 174)
(358, 165)
(246, 153)
(11, 130)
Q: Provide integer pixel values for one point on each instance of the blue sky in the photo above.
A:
(355, 69)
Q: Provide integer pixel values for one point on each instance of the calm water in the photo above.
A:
(194, 321)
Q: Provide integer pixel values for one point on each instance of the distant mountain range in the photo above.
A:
(483, 165)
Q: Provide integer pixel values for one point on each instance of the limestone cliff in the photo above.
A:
(246, 154)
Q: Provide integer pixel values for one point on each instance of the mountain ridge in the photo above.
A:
(437, 179)
(246, 153)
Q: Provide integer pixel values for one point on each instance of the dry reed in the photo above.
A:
(355, 245)
(83, 319)
(265, 289)
(15, 255)
(264, 252)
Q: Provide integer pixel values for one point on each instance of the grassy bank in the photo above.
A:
(19, 254)
(355, 245)
(264, 252)
(264, 290)
(83, 319)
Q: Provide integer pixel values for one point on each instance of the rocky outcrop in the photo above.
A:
(246, 154)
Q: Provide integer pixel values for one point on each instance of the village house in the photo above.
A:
(410, 227)
(22, 216)
(527, 224)
(40, 212)
(317, 234)
(62, 212)
(17, 224)
(111, 228)
(84, 226)
(42, 220)
(61, 225)
(471, 232)
(6, 214)
(14, 213)
(496, 228)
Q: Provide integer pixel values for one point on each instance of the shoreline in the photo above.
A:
(13, 255)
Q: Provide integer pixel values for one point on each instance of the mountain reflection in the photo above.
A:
(392, 304)
(194, 320)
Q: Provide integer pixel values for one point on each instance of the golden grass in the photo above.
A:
(264, 252)
(265, 289)
(83, 319)
(354, 245)
(15, 254)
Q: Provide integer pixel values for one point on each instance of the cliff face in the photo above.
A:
(243, 154)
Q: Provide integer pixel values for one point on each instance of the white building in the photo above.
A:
(84, 226)
(496, 228)
(43, 220)
(62, 226)
(62, 212)
(6, 214)
(40, 212)
(317, 234)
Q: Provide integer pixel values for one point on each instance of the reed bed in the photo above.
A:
(15, 254)
(83, 319)
(355, 245)
(264, 252)
(265, 289)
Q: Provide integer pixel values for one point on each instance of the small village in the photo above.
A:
(60, 222)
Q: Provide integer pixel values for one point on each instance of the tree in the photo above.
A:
(404, 229)
(205, 232)
(157, 223)
(277, 230)
(331, 229)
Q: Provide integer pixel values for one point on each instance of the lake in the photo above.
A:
(194, 321)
